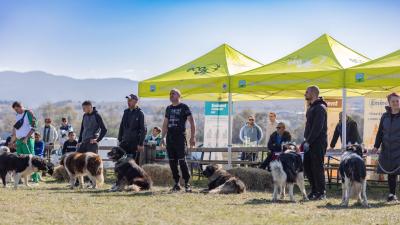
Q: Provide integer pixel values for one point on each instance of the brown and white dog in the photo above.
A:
(222, 182)
(79, 165)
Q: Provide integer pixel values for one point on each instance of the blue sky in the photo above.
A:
(140, 39)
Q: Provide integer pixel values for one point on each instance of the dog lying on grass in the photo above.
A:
(222, 182)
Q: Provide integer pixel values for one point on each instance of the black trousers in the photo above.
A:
(392, 180)
(176, 150)
(314, 167)
(267, 161)
(88, 147)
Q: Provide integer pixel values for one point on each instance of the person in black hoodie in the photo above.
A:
(315, 144)
(92, 129)
(132, 130)
(275, 144)
(352, 135)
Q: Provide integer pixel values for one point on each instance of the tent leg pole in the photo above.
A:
(230, 130)
(344, 118)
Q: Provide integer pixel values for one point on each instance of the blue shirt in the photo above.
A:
(278, 139)
(39, 148)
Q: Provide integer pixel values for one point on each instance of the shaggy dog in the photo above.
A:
(353, 172)
(222, 182)
(4, 149)
(287, 169)
(22, 166)
(129, 175)
(79, 165)
(9, 176)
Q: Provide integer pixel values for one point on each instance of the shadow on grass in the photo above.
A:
(258, 201)
(376, 205)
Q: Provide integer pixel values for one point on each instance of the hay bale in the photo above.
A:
(160, 174)
(60, 174)
(255, 179)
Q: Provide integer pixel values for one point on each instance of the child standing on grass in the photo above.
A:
(39, 151)
(70, 144)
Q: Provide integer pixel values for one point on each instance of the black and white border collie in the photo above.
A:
(22, 166)
(353, 173)
(222, 182)
(130, 176)
(287, 169)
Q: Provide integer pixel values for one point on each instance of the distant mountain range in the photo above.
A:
(37, 87)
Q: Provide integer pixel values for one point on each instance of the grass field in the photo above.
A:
(53, 203)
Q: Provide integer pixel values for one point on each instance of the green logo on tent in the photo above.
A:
(360, 77)
(242, 83)
(152, 88)
(201, 70)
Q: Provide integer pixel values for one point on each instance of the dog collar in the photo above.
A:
(123, 157)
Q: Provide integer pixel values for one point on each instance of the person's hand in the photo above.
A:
(306, 147)
(192, 142)
(375, 150)
(140, 148)
(93, 141)
(78, 145)
(25, 140)
(163, 143)
(330, 149)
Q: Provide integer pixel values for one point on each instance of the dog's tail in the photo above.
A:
(95, 167)
(355, 188)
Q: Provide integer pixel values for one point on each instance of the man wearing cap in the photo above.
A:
(174, 129)
(132, 130)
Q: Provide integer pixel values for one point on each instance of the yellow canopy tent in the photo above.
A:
(378, 75)
(205, 78)
(321, 63)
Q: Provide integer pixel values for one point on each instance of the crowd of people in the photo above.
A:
(132, 135)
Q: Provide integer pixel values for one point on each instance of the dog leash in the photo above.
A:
(387, 172)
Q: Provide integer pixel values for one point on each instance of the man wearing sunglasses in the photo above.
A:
(250, 133)
(275, 144)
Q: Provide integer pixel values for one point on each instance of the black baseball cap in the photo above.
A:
(132, 96)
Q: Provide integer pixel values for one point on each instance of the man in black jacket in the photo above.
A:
(352, 135)
(132, 130)
(92, 129)
(315, 135)
(275, 143)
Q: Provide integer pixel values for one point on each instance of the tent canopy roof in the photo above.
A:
(320, 63)
(207, 74)
(378, 75)
(323, 54)
(219, 62)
